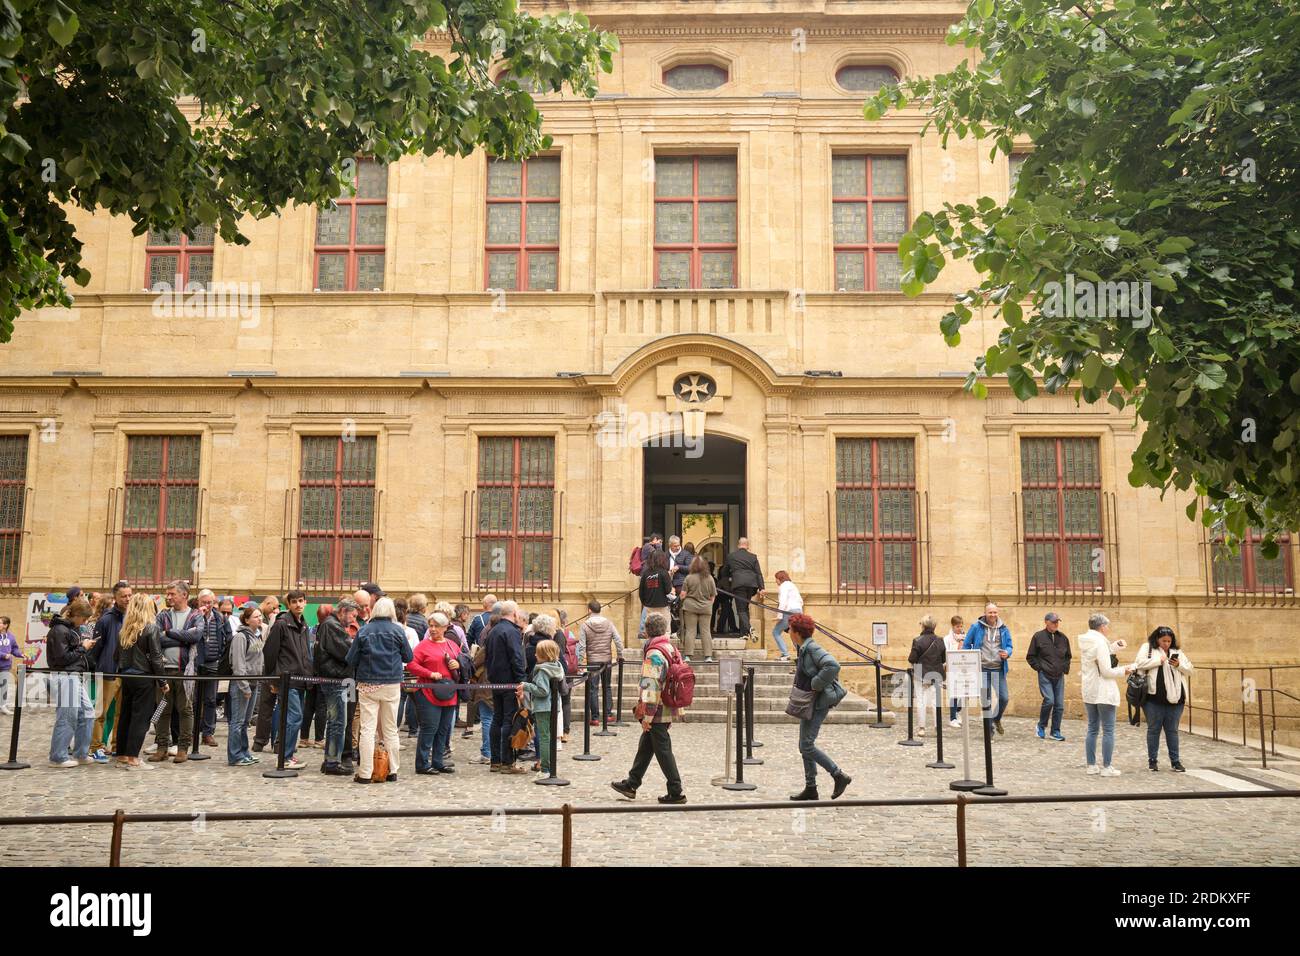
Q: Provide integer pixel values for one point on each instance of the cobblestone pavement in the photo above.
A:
(1209, 832)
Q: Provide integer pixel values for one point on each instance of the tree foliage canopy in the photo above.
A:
(1166, 149)
(92, 98)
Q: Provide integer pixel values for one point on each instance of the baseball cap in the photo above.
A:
(1052, 616)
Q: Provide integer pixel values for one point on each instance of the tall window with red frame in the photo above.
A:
(160, 528)
(1061, 491)
(179, 260)
(523, 224)
(875, 512)
(695, 222)
(336, 523)
(869, 217)
(1248, 569)
(13, 499)
(350, 234)
(516, 511)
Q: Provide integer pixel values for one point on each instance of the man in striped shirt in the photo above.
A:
(655, 718)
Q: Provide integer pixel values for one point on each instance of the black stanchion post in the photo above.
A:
(750, 759)
(20, 692)
(749, 704)
(739, 782)
(618, 713)
(551, 780)
(586, 719)
(938, 763)
(988, 790)
(600, 700)
(198, 721)
(880, 717)
(283, 694)
(911, 740)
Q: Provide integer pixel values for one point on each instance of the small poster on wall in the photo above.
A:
(880, 633)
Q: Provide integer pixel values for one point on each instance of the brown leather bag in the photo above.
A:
(380, 772)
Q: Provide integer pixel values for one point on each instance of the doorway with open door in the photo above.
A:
(698, 494)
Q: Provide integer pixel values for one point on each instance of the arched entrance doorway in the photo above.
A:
(695, 490)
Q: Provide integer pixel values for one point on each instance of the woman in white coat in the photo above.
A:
(1101, 695)
(1166, 668)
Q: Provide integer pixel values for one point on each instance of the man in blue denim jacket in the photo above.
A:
(994, 663)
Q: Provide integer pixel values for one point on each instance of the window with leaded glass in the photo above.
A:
(695, 77)
(523, 224)
(869, 216)
(350, 233)
(336, 510)
(516, 511)
(176, 260)
(865, 79)
(1248, 569)
(695, 222)
(875, 512)
(160, 525)
(1061, 491)
(13, 500)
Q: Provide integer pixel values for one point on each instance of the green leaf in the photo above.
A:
(1022, 383)
(1163, 347)
(61, 28)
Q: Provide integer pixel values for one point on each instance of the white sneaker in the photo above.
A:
(1093, 770)
(152, 748)
(785, 659)
(7, 710)
(63, 763)
(1110, 771)
(171, 751)
(293, 763)
(87, 761)
(955, 723)
(920, 731)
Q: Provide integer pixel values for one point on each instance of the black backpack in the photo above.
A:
(1136, 694)
(224, 666)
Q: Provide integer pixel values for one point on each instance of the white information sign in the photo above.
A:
(880, 633)
(963, 674)
(728, 674)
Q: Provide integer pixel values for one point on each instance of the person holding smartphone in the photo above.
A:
(1166, 668)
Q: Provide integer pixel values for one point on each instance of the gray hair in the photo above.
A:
(347, 604)
(444, 607)
(182, 586)
(206, 592)
(508, 608)
(1097, 620)
(384, 608)
(674, 540)
(439, 619)
(656, 625)
(544, 624)
(928, 623)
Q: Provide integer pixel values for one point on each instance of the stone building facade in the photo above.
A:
(482, 375)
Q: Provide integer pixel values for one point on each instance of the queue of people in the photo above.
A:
(503, 663)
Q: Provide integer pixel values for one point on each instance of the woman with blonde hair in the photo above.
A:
(535, 693)
(139, 655)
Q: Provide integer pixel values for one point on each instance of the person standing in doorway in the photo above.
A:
(746, 576)
(1049, 656)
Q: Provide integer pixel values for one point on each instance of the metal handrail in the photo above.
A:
(119, 818)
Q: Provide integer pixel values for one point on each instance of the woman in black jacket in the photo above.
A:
(927, 657)
(139, 655)
(656, 587)
(68, 653)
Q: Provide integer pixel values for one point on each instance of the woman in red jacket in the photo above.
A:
(434, 660)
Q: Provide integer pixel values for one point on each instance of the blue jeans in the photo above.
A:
(435, 733)
(74, 718)
(333, 698)
(485, 721)
(1162, 717)
(293, 723)
(986, 696)
(813, 757)
(1053, 692)
(782, 625)
(1100, 717)
(406, 710)
(239, 708)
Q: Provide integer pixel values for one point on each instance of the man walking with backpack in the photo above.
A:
(664, 689)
